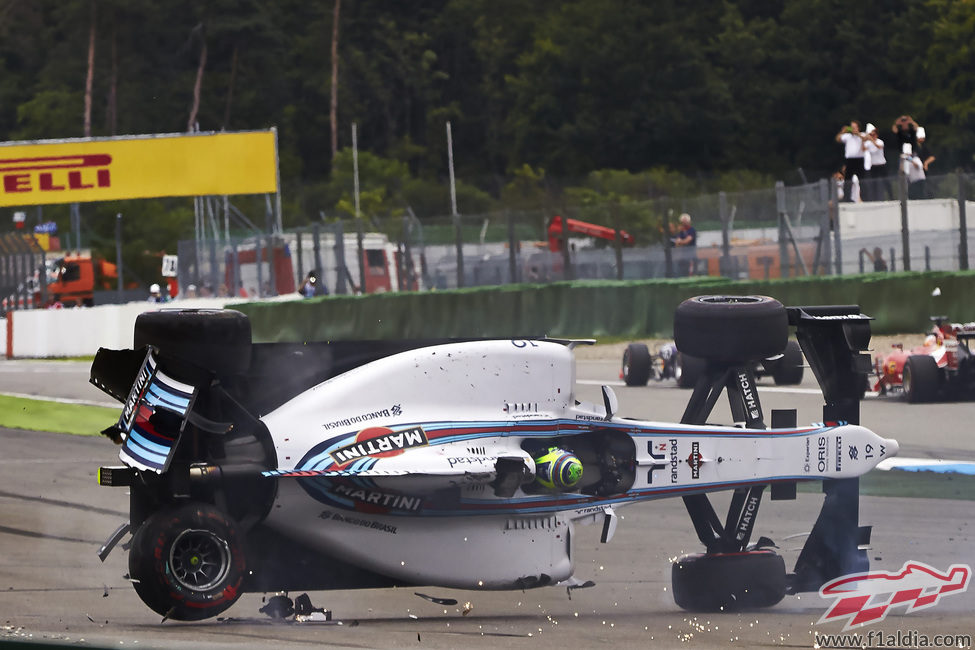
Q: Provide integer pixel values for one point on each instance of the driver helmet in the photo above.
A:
(558, 469)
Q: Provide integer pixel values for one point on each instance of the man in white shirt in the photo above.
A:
(878, 182)
(852, 140)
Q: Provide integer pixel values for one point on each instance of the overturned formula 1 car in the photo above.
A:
(267, 467)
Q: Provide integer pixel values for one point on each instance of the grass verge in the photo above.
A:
(901, 483)
(45, 415)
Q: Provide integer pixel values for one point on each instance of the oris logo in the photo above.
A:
(55, 173)
(823, 452)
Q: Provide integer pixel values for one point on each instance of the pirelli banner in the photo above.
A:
(137, 167)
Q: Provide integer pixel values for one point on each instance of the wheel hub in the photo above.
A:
(199, 559)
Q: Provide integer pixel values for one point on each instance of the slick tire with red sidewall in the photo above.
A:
(187, 562)
(712, 582)
(921, 379)
(731, 329)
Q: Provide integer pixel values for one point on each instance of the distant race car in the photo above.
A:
(942, 367)
(640, 365)
(273, 466)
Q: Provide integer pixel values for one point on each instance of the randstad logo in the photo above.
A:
(866, 598)
(55, 173)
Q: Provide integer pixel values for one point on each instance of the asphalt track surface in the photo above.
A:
(53, 517)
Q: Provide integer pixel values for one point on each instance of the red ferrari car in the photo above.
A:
(941, 367)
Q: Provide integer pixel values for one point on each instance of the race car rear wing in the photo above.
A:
(833, 340)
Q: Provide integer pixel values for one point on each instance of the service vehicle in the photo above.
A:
(467, 464)
(942, 367)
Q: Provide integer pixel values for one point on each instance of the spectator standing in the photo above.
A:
(905, 132)
(686, 239)
(155, 293)
(918, 168)
(852, 139)
(877, 257)
(313, 286)
(878, 179)
(686, 234)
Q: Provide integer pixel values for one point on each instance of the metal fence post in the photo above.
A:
(725, 266)
(316, 242)
(962, 225)
(668, 247)
(618, 245)
(42, 277)
(784, 263)
(118, 253)
(235, 279)
(402, 248)
(301, 266)
(905, 236)
(341, 282)
(214, 268)
(360, 251)
(459, 244)
(837, 239)
(259, 255)
(512, 250)
(566, 258)
(272, 274)
(824, 250)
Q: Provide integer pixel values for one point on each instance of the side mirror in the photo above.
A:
(610, 402)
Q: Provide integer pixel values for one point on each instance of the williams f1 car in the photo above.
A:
(466, 464)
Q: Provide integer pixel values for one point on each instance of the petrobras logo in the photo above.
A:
(867, 598)
(379, 442)
(55, 173)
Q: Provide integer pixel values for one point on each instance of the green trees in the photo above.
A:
(705, 94)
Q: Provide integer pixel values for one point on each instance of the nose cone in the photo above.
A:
(892, 446)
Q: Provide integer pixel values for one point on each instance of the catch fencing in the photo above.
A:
(780, 232)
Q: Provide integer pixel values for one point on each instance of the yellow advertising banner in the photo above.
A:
(137, 167)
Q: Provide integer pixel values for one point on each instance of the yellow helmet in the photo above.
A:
(558, 469)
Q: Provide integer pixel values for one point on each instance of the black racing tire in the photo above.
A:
(218, 340)
(187, 563)
(636, 364)
(712, 582)
(688, 369)
(921, 379)
(731, 329)
(787, 370)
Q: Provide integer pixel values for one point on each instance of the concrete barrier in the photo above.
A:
(80, 331)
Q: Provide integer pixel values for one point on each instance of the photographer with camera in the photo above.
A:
(905, 132)
(852, 140)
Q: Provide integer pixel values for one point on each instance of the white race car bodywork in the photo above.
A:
(375, 467)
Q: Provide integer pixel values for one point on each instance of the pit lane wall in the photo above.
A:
(899, 302)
